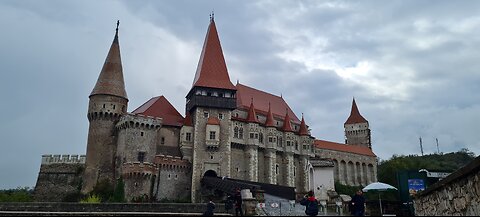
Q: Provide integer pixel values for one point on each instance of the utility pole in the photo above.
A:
(421, 146)
(438, 148)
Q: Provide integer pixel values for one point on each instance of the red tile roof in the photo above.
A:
(212, 69)
(303, 128)
(110, 81)
(188, 120)
(262, 100)
(287, 126)
(160, 107)
(213, 121)
(355, 116)
(355, 149)
(252, 116)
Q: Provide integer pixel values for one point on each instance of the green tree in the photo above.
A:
(119, 192)
(20, 194)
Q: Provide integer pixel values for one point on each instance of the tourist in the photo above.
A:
(210, 207)
(358, 204)
(238, 202)
(310, 203)
(229, 203)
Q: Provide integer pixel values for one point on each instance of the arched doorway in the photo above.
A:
(210, 173)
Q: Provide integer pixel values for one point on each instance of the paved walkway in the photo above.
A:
(275, 206)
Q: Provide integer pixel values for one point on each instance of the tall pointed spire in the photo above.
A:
(269, 122)
(303, 128)
(287, 126)
(110, 81)
(252, 116)
(355, 116)
(212, 69)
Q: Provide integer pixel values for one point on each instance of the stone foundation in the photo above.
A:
(456, 195)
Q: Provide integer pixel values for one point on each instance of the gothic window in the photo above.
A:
(256, 135)
(260, 138)
(251, 135)
(240, 133)
(296, 146)
(276, 169)
(163, 140)
(280, 141)
(212, 135)
(188, 137)
(270, 139)
(235, 132)
(288, 143)
(294, 171)
(141, 156)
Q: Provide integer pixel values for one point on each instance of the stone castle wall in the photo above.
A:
(456, 195)
(59, 177)
(350, 168)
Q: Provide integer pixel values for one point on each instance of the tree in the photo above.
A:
(119, 192)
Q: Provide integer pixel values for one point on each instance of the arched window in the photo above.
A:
(235, 132)
(240, 133)
(260, 137)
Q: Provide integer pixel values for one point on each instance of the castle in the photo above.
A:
(228, 130)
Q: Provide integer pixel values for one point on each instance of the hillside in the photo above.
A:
(448, 162)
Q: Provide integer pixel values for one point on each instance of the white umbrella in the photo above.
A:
(379, 186)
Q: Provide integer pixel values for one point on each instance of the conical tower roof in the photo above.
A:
(303, 128)
(269, 122)
(355, 116)
(252, 116)
(212, 69)
(287, 126)
(110, 81)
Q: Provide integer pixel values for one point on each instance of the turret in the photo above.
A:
(108, 102)
(210, 103)
(357, 129)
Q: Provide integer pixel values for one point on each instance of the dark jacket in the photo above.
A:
(210, 208)
(311, 206)
(357, 204)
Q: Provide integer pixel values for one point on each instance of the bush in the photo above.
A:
(104, 190)
(119, 192)
(92, 199)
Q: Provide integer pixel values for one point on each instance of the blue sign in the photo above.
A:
(415, 185)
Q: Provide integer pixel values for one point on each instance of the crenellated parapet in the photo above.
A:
(139, 169)
(48, 159)
(100, 115)
(139, 121)
(172, 163)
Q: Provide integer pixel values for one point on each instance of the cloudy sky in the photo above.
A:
(413, 67)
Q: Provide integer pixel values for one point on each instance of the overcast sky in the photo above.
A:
(412, 66)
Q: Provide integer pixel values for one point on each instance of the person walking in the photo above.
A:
(310, 203)
(238, 202)
(210, 208)
(229, 203)
(358, 204)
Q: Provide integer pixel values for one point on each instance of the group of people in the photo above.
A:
(233, 201)
(357, 204)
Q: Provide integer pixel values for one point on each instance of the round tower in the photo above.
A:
(108, 102)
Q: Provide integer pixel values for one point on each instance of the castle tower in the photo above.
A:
(357, 131)
(108, 102)
(288, 155)
(251, 148)
(210, 103)
(306, 149)
(270, 149)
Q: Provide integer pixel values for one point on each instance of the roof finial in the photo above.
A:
(118, 23)
(213, 15)
(252, 100)
(238, 81)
